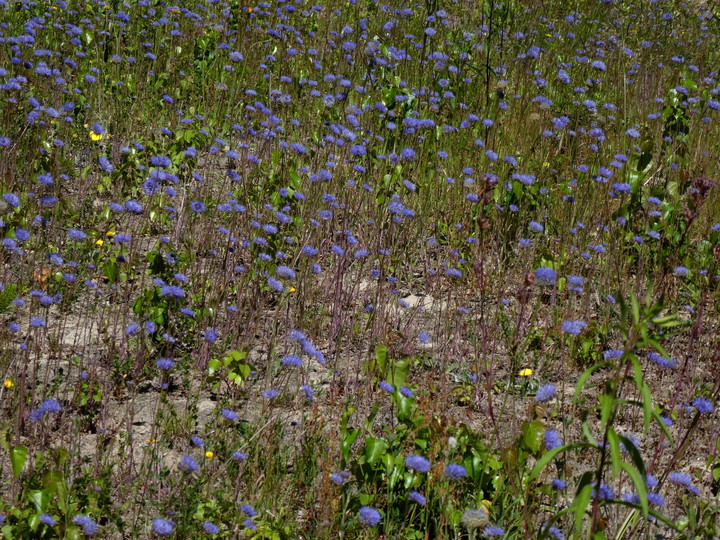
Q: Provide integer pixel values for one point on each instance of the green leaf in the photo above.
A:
(370, 420)
(585, 376)
(347, 442)
(581, 501)
(381, 356)
(607, 405)
(614, 443)
(39, 499)
(640, 486)
(644, 391)
(634, 455)
(532, 435)
(549, 455)
(401, 369)
(214, 365)
(374, 449)
(18, 457)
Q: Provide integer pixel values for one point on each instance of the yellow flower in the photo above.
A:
(292, 289)
(546, 164)
(95, 136)
(485, 504)
(99, 243)
(8, 383)
(110, 233)
(209, 454)
(526, 372)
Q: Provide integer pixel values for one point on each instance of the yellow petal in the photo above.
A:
(526, 372)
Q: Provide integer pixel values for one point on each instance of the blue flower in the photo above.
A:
(606, 493)
(384, 385)
(492, 530)
(211, 335)
(622, 187)
(197, 441)
(12, 199)
(210, 528)
(37, 322)
(418, 463)
(47, 520)
(292, 360)
(545, 393)
(573, 327)
(198, 207)
(188, 464)
(172, 291)
(575, 283)
(77, 235)
(165, 364)
(51, 405)
(163, 527)
(270, 394)
(552, 439)
(418, 498)
(558, 485)
(285, 272)
(703, 406)
(667, 363)
(160, 161)
(545, 276)
(105, 164)
(133, 207)
(88, 526)
(368, 516)
(275, 285)
(248, 510)
(681, 271)
(453, 471)
(229, 415)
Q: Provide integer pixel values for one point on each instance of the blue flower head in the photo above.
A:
(369, 516)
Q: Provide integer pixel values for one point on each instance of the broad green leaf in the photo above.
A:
(18, 457)
(401, 369)
(381, 356)
(370, 420)
(39, 499)
(374, 449)
(532, 435)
